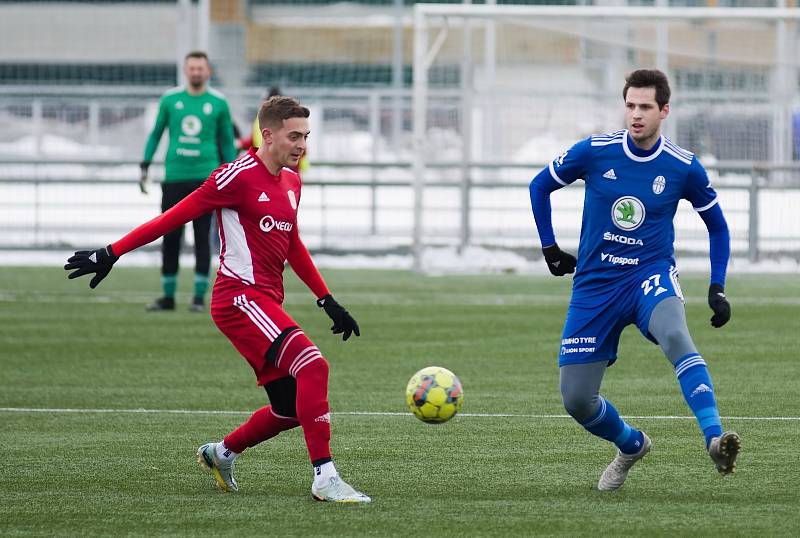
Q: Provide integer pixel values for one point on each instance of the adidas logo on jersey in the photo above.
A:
(610, 174)
(263, 197)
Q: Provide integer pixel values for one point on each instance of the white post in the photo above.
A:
(466, 129)
(397, 74)
(662, 41)
(183, 36)
(37, 125)
(203, 24)
(420, 106)
(375, 134)
(94, 122)
(782, 96)
(487, 100)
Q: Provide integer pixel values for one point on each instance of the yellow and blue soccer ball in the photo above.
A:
(434, 394)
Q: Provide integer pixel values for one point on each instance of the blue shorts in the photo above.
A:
(594, 325)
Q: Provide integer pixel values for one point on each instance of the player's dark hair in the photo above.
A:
(278, 108)
(196, 54)
(649, 78)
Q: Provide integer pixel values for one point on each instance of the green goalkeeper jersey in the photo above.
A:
(200, 133)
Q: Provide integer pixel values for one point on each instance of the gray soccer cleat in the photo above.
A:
(197, 305)
(617, 471)
(222, 472)
(338, 491)
(162, 304)
(723, 451)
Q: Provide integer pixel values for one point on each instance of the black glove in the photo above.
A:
(143, 179)
(719, 304)
(97, 261)
(343, 322)
(559, 262)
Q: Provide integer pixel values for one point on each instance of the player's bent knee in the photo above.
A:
(316, 370)
(581, 407)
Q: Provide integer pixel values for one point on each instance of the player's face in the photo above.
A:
(643, 117)
(197, 72)
(288, 143)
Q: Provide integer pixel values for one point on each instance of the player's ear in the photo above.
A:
(665, 111)
(266, 136)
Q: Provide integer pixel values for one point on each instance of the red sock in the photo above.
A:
(312, 408)
(262, 425)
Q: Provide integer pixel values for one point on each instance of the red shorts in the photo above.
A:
(251, 320)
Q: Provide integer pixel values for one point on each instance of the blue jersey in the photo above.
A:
(630, 202)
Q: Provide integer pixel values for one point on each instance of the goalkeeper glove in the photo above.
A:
(719, 304)
(97, 261)
(343, 322)
(143, 179)
(559, 262)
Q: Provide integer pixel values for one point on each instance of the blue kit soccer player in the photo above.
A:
(625, 270)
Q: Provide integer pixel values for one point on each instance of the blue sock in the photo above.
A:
(608, 425)
(699, 393)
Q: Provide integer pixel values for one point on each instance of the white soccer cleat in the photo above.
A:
(222, 472)
(723, 451)
(617, 471)
(337, 490)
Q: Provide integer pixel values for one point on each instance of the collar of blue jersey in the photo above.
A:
(638, 154)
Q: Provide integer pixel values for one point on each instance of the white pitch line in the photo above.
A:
(348, 413)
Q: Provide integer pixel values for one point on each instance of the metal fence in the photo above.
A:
(354, 207)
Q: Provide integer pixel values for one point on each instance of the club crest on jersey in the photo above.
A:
(292, 199)
(658, 184)
(627, 213)
(208, 108)
(267, 223)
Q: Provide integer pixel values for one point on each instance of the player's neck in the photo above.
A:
(648, 143)
(273, 167)
(195, 90)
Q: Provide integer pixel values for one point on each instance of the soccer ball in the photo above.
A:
(434, 395)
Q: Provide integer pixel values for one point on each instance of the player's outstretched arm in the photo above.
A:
(85, 262)
(100, 261)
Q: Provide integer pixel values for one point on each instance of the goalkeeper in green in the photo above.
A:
(199, 123)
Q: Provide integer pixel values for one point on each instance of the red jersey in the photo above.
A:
(257, 216)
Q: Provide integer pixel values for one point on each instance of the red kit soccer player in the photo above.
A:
(256, 199)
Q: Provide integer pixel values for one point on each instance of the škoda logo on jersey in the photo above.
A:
(267, 223)
(627, 213)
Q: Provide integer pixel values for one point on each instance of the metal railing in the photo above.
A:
(369, 207)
